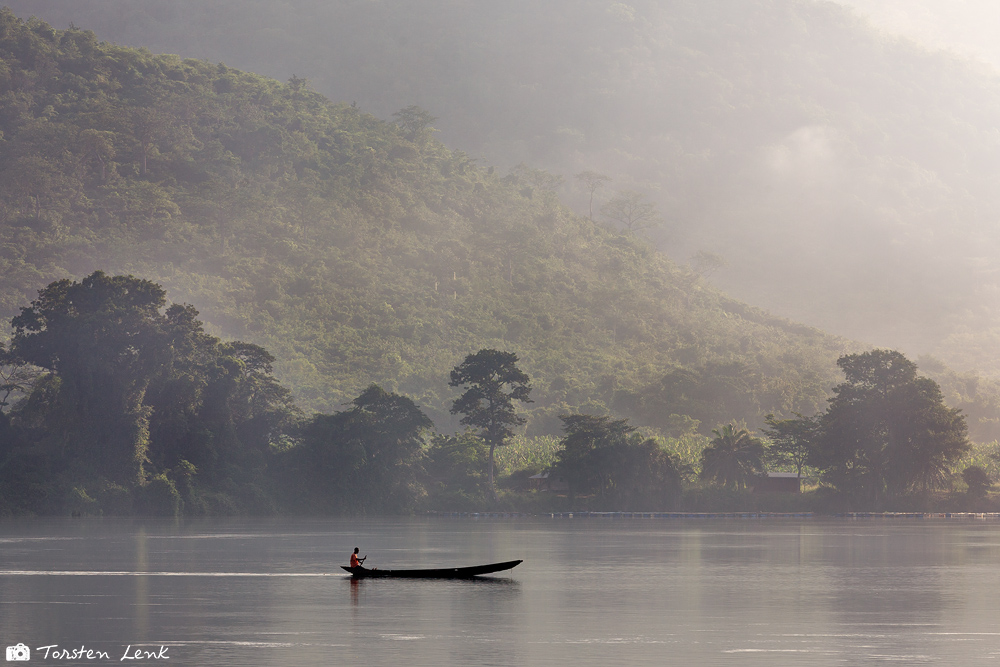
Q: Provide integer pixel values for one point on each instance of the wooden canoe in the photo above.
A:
(439, 573)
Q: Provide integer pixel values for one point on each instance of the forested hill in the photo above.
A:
(357, 250)
(847, 177)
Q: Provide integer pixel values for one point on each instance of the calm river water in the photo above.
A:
(590, 592)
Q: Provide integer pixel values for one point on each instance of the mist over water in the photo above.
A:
(590, 592)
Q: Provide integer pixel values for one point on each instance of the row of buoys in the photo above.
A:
(918, 515)
(627, 515)
(679, 515)
(483, 515)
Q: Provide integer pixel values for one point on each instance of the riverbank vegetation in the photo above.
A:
(118, 402)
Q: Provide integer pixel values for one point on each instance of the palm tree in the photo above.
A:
(733, 458)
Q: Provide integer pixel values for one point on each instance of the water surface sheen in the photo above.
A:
(590, 592)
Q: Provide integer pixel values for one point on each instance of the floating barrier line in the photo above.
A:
(680, 515)
(624, 515)
(720, 515)
(918, 515)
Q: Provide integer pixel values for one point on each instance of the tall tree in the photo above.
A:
(792, 440)
(631, 210)
(605, 457)
(365, 459)
(415, 123)
(887, 430)
(588, 449)
(733, 458)
(106, 338)
(592, 182)
(494, 382)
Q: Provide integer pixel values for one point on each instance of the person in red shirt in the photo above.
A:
(355, 561)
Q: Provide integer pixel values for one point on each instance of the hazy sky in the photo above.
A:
(967, 27)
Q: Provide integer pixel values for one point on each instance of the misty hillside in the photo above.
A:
(846, 177)
(357, 250)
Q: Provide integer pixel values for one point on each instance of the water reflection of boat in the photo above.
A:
(439, 573)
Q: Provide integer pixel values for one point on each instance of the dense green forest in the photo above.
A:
(846, 177)
(357, 250)
(358, 262)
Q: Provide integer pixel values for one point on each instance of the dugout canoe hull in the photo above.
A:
(437, 573)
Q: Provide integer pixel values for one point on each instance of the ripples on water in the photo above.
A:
(590, 592)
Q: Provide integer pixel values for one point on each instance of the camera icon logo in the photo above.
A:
(18, 653)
